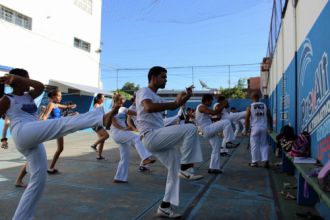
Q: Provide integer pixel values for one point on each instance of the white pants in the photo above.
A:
(126, 139)
(258, 144)
(211, 132)
(242, 121)
(162, 143)
(28, 138)
(234, 117)
(174, 120)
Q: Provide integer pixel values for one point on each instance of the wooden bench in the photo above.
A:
(315, 192)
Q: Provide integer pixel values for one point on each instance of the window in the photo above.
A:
(86, 5)
(82, 44)
(15, 17)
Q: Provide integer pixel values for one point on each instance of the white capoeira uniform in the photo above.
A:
(126, 139)
(211, 130)
(234, 118)
(258, 137)
(242, 121)
(133, 117)
(162, 142)
(28, 134)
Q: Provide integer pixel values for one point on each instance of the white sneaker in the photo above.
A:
(188, 174)
(167, 213)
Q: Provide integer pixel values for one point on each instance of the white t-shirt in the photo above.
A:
(133, 117)
(121, 117)
(202, 119)
(22, 109)
(148, 121)
(258, 116)
(224, 113)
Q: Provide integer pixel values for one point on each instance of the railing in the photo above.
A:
(279, 7)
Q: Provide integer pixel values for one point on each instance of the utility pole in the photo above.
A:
(117, 78)
(229, 75)
(192, 75)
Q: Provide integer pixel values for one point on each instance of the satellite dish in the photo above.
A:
(203, 84)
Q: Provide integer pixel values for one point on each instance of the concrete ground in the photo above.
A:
(84, 187)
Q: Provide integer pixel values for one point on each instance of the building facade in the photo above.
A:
(298, 81)
(53, 40)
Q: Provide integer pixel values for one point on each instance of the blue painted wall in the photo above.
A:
(302, 95)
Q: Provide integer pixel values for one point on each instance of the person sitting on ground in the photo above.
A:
(100, 131)
(28, 133)
(258, 119)
(161, 141)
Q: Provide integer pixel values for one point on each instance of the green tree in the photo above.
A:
(239, 91)
(130, 88)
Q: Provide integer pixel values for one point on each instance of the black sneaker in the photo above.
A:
(266, 164)
(232, 145)
(255, 164)
(144, 169)
(214, 171)
(94, 147)
(224, 154)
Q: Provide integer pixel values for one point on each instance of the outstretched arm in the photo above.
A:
(181, 99)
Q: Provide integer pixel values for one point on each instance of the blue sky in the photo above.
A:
(140, 34)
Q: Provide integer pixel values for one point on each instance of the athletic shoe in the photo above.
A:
(188, 174)
(144, 169)
(214, 171)
(94, 147)
(224, 150)
(265, 164)
(120, 181)
(255, 164)
(100, 158)
(224, 154)
(167, 213)
(232, 145)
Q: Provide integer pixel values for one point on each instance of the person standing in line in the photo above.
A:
(29, 133)
(161, 141)
(53, 111)
(100, 131)
(224, 115)
(211, 130)
(237, 118)
(258, 119)
(123, 136)
(232, 116)
(131, 119)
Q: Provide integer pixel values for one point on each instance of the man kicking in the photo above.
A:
(211, 130)
(161, 141)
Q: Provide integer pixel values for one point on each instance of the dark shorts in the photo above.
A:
(96, 129)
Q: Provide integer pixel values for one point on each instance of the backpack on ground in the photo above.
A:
(301, 146)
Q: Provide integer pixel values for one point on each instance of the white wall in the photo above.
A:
(47, 50)
(307, 12)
